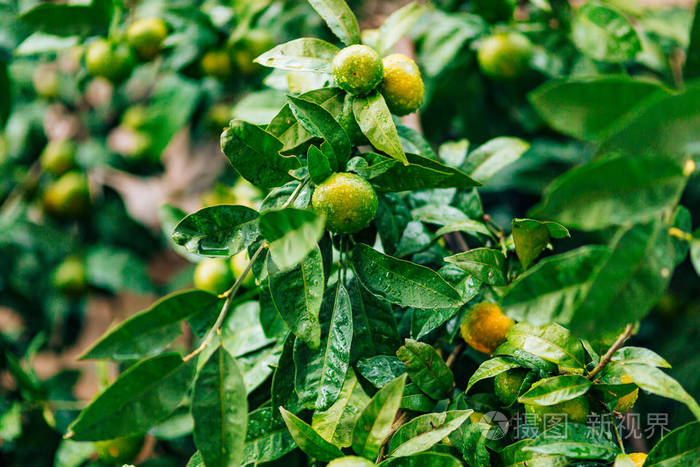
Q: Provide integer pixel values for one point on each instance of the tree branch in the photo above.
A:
(605, 359)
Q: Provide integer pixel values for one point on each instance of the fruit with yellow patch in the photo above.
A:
(358, 69)
(505, 55)
(70, 277)
(484, 327)
(347, 200)
(402, 84)
(217, 64)
(239, 263)
(58, 157)
(638, 458)
(69, 196)
(213, 275)
(119, 450)
(626, 402)
(146, 36)
(111, 60)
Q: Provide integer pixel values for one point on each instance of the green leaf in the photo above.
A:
(195, 460)
(267, 438)
(68, 20)
(662, 125)
(677, 448)
(612, 191)
(695, 252)
(566, 104)
(320, 373)
(242, 331)
(380, 370)
(657, 382)
(629, 280)
(424, 431)
(283, 392)
(531, 237)
(490, 368)
(5, 93)
(552, 343)
(297, 295)
(152, 330)
(626, 355)
(374, 118)
(375, 421)
(486, 160)
(398, 24)
(255, 154)
(524, 358)
(221, 230)
(426, 368)
(575, 441)
(419, 173)
(319, 165)
(339, 18)
(308, 440)
(414, 399)
(292, 234)
(604, 34)
(72, 453)
(486, 264)
(220, 410)
(116, 269)
(305, 54)
(468, 225)
(432, 459)
(557, 389)
(554, 287)
(141, 397)
(691, 69)
(375, 330)
(335, 424)
(401, 282)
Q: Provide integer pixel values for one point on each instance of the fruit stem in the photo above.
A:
(629, 330)
(230, 293)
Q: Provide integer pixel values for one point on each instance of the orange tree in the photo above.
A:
(392, 321)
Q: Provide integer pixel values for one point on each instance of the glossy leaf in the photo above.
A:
(320, 373)
(603, 33)
(141, 397)
(554, 287)
(267, 438)
(319, 165)
(374, 119)
(627, 355)
(531, 237)
(420, 173)
(552, 343)
(283, 392)
(489, 158)
(612, 191)
(255, 154)
(375, 331)
(426, 368)
(433, 459)
(221, 230)
(375, 421)
(679, 447)
(575, 441)
(557, 389)
(424, 431)
(297, 295)
(152, 330)
(566, 104)
(336, 423)
(380, 370)
(397, 25)
(68, 20)
(339, 18)
(305, 54)
(292, 234)
(401, 282)
(486, 264)
(308, 440)
(220, 410)
(490, 368)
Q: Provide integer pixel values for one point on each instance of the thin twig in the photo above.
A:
(605, 359)
(397, 424)
(455, 353)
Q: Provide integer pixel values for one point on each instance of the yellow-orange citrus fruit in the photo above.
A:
(484, 327)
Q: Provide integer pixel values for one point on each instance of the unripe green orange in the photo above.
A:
(217, 64)
(119, 450)
(506, 385)
(239, 263)
(146, 36)
(246, 49)
(58, 157)
(347, 200)
(504, 55)
(358, 69)
(70, 277)
(46, 82)
(135, 117)
(402, 85)
(213, 275)
(350, 461)
(113, 61)
(484, 327)
(69, 196)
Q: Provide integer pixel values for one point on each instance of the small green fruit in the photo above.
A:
(348, 202)
(245, 50)
(146, 36)
(135, 117)
(239, 263)
(69, 196)
(46, 81)
(58, 157)
(70, 277)
(507, 385)
(217, 64)
(358, 69)
(119, 450)
(402, 86)
(113, 61)
(505, 55)
(213, 275)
